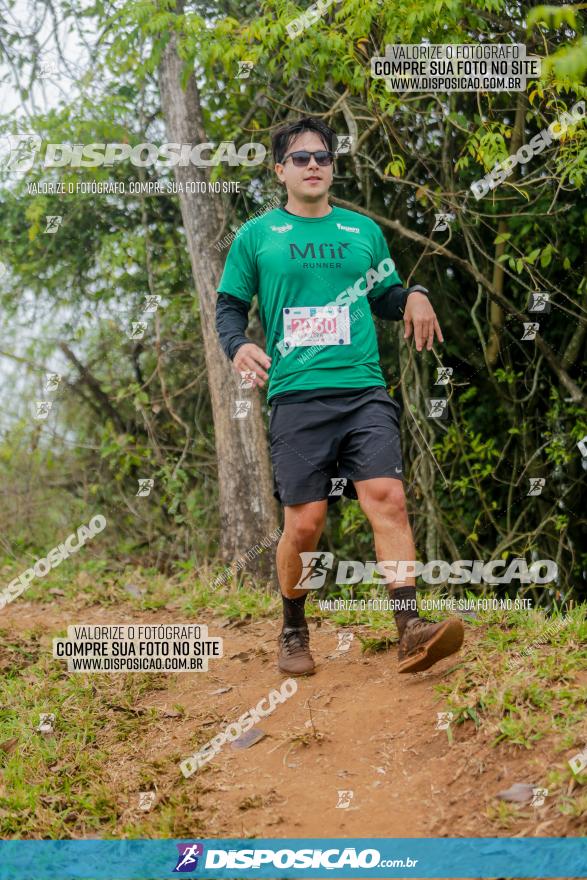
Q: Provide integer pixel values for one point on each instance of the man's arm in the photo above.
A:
(232, 317)
(394, 302)
(417, 313)
(391, 304)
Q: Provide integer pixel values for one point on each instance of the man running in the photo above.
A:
(319, 272)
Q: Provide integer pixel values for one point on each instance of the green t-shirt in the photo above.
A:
(296, 264)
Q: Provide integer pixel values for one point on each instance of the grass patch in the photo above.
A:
(523, 700)
(57, 786)
(375, 645)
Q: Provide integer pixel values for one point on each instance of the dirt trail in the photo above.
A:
(356, 725)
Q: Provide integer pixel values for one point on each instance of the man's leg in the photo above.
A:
(303, 526)
(383, 502)
(422, 643)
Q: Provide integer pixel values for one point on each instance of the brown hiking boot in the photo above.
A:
(294, 651)
(424, 643)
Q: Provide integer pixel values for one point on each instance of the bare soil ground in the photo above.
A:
(356, 725)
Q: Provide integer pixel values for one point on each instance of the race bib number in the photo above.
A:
(316, 325)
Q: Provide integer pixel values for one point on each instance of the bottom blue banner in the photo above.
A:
(538, 857)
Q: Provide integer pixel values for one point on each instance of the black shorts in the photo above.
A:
(314, 443)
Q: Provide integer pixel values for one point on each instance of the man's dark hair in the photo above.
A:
(285, 136)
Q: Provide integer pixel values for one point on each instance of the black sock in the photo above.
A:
(405, 600)
(293, 611)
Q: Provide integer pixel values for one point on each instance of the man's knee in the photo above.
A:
(304, 526)
(386, 500)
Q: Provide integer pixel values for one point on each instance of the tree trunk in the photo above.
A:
(496, 315)
(248, 511)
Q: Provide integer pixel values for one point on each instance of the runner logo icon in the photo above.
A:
(187, 860)
(314, 568)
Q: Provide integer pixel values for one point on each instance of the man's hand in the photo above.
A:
(420, 316)
(251, 358)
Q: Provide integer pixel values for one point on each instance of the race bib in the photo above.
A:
(316, 325)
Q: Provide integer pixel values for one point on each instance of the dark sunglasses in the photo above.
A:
(301, 158)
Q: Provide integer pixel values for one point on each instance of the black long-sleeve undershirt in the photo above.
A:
(391, 304)
(232, 317)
